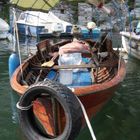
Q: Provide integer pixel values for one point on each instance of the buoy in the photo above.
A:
(13, 63)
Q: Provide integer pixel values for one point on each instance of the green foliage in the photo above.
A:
(4, 13)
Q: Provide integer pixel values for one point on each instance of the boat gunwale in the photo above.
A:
(130, 35)
(134, 52)
(79, 91)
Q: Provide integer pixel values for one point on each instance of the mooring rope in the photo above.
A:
(120, 57)
(87, 120)
(24, 108)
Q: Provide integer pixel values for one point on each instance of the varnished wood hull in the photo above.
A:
(93, 97)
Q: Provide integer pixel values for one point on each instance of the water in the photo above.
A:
(118, 120)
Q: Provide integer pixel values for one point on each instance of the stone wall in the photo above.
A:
(64, 11)
(79, 15)
(84, 13)
(135, 13)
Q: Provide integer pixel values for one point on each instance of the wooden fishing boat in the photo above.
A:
(51, 110)
(131, 43)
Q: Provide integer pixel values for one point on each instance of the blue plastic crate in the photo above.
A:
(94, 35)
(81, 78)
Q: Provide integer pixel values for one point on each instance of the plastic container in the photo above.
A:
(85, 33)
(68, 28)
(66, 75)
(95, 34)
(81, 78)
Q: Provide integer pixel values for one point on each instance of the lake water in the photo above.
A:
(118, 120)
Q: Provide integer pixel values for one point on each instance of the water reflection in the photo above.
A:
(27, 45)
(14, 100)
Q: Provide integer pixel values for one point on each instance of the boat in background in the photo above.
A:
(4, 29)
(131, 43)
(34, 23)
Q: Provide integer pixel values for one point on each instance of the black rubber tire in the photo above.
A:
(68, 101)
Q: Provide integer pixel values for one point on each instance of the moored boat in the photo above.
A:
(49, 107)
(35, 23)
(131, 43)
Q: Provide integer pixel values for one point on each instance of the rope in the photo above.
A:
(120, 56)
(14, 31)
(19, 53)
(23, 108)
(130, 27)
(87, 120)
(104, 39)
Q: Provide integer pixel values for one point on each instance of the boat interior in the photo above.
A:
(98, 69)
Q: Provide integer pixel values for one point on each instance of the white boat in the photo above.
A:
(33, 23)
(131, 43)
(4, 29)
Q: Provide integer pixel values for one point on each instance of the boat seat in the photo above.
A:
(104, 74)
(30, 78)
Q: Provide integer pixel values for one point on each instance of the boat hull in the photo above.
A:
(94, 102)
(29, 30)
(93, 97)
(131, 44)
(32, 23)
